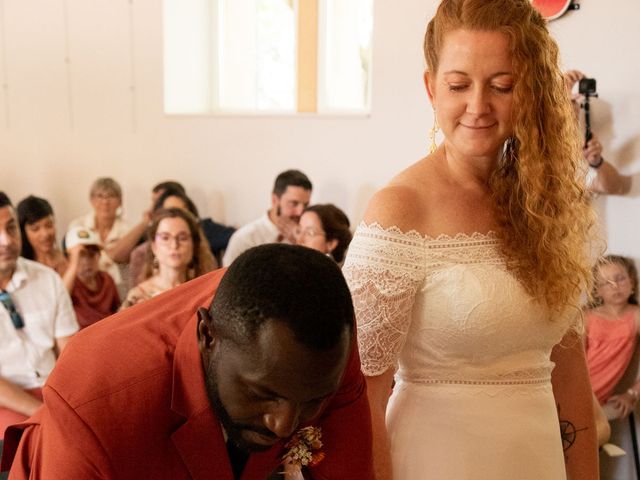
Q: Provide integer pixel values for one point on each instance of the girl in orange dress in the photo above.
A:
(612, 328)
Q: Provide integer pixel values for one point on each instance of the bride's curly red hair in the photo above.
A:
(541, 204)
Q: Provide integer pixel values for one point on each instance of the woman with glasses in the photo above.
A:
(170, 198)
(173, 257)
(324, 228)
(105, 219)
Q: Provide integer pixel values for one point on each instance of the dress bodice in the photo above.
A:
(446, 310)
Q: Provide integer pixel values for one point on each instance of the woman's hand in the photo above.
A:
(593, 151)
(136, 295)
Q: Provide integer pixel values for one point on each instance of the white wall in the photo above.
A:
(62, 127)
(601, 40)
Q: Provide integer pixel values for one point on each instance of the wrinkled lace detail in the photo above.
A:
(387, 269)
(384, 269)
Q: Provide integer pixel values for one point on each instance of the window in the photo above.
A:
(267, 56)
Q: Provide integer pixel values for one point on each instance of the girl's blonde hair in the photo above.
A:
(541, 204)
(631, 270)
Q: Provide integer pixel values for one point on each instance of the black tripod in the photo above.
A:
(587, 116)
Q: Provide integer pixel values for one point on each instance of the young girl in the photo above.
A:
(612, 327)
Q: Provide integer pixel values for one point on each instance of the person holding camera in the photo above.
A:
(603, 177)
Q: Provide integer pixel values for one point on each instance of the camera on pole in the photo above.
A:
(587, 87)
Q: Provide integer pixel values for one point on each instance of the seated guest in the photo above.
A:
(36, 320)
(173, 255)
(612, 326)
(217, 235)
(325, 228)
(38, 232)
(105, 219)
(170, 198)
(184, 386)
(291, 195)
(162, 187)
(93, 292)
(122, 250)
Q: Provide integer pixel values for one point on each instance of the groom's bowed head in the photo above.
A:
(275, 342)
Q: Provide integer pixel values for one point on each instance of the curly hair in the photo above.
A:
(539, 197)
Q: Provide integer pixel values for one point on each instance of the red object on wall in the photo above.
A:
(552, 9)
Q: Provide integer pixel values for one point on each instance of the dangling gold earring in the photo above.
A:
(432, 133)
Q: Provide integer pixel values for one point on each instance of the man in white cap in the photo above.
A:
(36, 321)
(93, 292)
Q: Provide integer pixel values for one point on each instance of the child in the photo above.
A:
(93, 292)
(612, 326)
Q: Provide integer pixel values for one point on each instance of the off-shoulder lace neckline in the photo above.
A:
(414, 234)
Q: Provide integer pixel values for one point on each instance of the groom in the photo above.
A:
(171, 389)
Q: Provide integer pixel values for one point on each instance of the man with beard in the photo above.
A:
(291, 195)
(36, 321)
(183, 386)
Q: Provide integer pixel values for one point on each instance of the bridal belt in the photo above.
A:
(498, 382)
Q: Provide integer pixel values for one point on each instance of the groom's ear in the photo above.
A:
(205, 332)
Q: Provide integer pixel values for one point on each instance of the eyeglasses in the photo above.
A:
(16, 319)
(166, 238)
(612, 282)
(309, 232)
(104, 196)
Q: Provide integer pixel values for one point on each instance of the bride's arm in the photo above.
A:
(572, 391)
(378, 390)
(384, 269)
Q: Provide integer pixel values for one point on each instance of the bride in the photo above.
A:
(469, 266)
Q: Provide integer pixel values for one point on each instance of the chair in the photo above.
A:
(631, 375)
(634, 442)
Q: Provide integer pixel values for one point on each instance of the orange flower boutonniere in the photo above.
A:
(304, 449)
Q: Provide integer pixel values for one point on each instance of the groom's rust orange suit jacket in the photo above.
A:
(127, 401)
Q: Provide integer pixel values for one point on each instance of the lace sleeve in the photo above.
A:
(384, 269)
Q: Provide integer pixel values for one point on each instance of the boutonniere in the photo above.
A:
(303, 451)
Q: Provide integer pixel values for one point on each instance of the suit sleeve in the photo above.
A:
(55, 443)
(346, 429)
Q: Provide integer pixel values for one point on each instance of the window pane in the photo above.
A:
(276, 55)
(226, 56)
(187, 84)
(256, 55)
(345, 52)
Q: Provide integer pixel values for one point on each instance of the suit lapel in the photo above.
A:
(260, 465)
(199, 439)
(202, 448)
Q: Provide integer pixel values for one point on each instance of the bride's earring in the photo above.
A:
(432, 133)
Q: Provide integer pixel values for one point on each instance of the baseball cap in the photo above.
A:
(81, 236)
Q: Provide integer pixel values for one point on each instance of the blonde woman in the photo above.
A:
(468, 268)
(105, 196)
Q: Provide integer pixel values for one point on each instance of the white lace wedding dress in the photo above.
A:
(473, 397)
